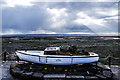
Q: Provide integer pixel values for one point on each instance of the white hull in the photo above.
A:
(39, 57)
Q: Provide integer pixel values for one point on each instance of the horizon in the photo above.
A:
(38, 35)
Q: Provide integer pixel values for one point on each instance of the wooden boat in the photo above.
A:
(53, 55)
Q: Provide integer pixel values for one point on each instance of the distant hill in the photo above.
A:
(46, 35)
(50, 35)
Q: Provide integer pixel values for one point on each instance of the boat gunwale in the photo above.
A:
(68, 56)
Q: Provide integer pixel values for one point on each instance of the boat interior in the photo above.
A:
(66, 53)
(56, 51)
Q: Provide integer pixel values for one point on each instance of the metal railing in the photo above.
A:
(109, 58)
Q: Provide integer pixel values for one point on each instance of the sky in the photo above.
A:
(70, 17)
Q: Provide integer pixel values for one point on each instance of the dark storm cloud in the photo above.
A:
(24, 19)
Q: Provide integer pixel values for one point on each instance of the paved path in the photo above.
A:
(116, 72)
(5, 75)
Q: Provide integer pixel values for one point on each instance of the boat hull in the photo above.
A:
(57, 60)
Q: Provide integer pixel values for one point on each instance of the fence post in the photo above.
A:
(109, 61)
(17, 58)
(4, 56)
(96, 65)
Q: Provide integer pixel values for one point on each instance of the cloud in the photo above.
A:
(13, 3)
(108, 13)
(96, 24)
(84, 19)
(59, 17)
(27, 3)
(112, 33)
(11, 31)
(42, 32)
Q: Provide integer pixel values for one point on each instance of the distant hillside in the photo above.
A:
(46, 35)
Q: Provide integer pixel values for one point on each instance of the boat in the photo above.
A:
(53, 56)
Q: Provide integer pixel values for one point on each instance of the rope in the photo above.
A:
(115, 58)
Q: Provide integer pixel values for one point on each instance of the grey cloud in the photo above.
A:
(26, 19)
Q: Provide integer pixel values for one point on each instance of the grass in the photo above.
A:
(98, 45)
